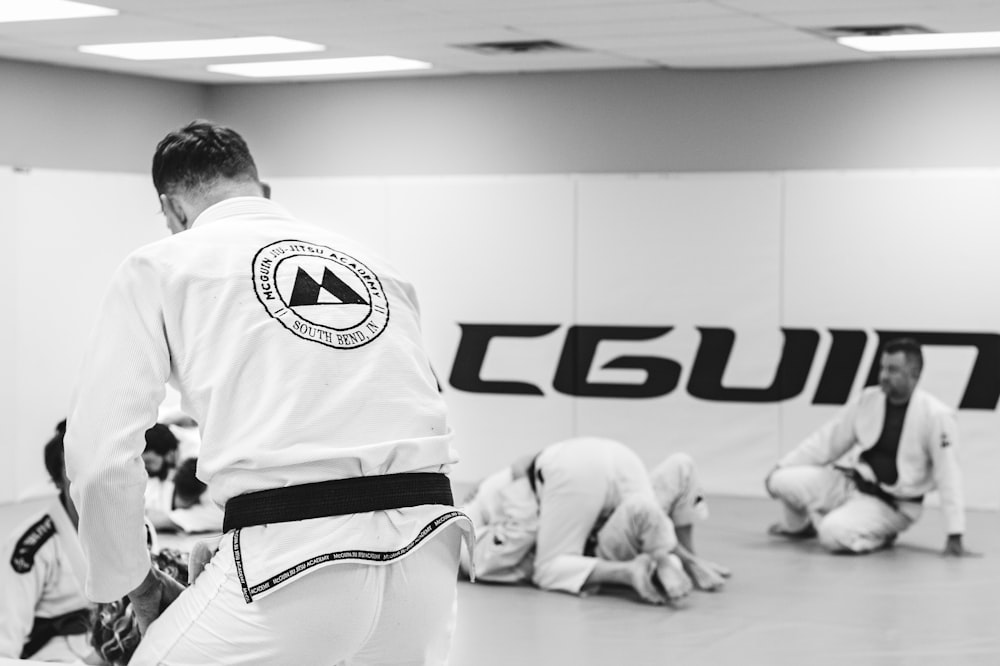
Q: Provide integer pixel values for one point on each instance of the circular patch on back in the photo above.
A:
(320, 294)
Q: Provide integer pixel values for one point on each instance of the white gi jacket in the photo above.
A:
(504, 513)
(298, 353)
(926, 459)
(36, 580)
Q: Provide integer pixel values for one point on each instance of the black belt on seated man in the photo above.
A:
(875, 490)
(339, 497)
(45, 629)
(534, 474)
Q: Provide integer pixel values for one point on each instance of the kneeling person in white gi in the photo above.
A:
(860, 479)
(299, 354)
(598, 491)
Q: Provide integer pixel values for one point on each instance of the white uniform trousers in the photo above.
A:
(580, 480)
(401, 613)
(845, 518)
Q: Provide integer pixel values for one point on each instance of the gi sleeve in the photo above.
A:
(826, 445)
(946, 471)
(20, 592)
(121, 385)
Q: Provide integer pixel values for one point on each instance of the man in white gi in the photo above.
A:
(590, 503)
(43, 612)
(299, 354)
(191, 509)
(860, 479)
(160, 458)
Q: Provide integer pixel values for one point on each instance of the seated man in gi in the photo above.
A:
(43, 612)
(160, 458)
(860, 480)
(595, 518)
(191, 510)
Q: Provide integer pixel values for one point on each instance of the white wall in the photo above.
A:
(8, 348)
(905, 114)
(751, 252)
(65, 232)
(61, 118)
(898, 115)
(902, 114)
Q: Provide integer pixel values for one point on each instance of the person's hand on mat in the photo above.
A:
(953, 547)
(704, 577)
(716, 568)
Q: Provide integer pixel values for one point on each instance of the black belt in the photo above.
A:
(534, 475)
(875, 490)
(46, 628)
(340, 497)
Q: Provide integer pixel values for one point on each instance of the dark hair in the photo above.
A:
(160, 440)
(186, 484)
(909, 347)
(54, 461)
(200, 154)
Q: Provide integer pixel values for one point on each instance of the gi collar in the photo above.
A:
(239, 207)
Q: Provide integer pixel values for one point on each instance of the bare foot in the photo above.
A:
(675, 581)
(641, 572)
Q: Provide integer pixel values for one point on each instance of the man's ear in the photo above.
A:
(174, 212)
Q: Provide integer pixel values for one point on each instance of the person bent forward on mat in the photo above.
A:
(585, 512)
(860, 479)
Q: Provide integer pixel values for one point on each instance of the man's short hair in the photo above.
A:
(200, 154)
(160, 440)
(54, 451)
(909, 347)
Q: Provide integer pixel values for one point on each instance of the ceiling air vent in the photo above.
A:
(870, 30)
(518, 47)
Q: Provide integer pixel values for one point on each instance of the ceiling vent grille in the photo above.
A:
(532, 46)
(871, 30)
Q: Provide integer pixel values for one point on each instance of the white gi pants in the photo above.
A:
(580, 480)
(846, 519)
(401, 613)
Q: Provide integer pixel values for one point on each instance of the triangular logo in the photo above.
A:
(309, 292)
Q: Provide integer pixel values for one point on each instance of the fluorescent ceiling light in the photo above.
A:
(319, 67)
(939, 41)
(47, 10)
(202, 48)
